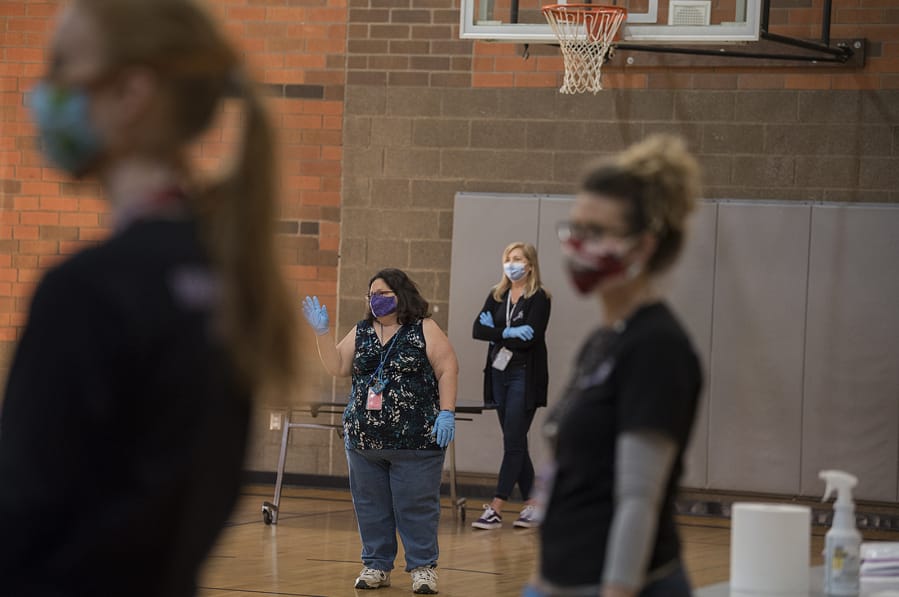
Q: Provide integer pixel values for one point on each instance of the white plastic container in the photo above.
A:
(769, 550)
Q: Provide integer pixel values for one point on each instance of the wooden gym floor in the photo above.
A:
(314, 551)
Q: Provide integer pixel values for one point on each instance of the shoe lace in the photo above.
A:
(528, 512)
(370, 573)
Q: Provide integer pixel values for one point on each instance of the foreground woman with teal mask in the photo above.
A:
(127, 406)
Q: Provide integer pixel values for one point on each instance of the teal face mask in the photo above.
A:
(63, 120)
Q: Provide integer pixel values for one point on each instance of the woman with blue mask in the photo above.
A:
(514, 320)
(397, 423)
(127, 406)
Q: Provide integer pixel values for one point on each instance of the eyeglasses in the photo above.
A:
(569, 231)
(369, 295)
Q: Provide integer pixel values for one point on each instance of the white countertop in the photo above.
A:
(816, 587)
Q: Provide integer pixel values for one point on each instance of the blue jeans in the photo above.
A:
(396, 490)
(515, 420)
(674, 584)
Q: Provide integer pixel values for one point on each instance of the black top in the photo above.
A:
(411, 396)
(122, 435)
(646, 377)
(531, 354)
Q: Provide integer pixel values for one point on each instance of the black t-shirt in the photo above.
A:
(645, 377)
(122, 434)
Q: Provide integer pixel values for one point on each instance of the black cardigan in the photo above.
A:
(535, 311)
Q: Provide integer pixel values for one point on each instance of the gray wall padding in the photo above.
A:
(851, 404)
(757, 347)
(792, 307)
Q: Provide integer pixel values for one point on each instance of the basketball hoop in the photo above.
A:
(585, 33)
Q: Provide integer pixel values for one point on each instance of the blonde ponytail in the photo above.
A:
(256, 316)
(195, 62)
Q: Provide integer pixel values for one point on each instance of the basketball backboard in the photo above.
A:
(664, 21)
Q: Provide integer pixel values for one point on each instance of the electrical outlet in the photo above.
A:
(274, 422)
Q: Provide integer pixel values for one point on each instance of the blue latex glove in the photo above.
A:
(522, 332)
(486, 319)
(445, 428)
(532, 591)
(316, 314)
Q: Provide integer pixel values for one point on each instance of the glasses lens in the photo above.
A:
(571, 231)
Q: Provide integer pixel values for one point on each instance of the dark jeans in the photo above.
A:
(675, 584)
(515, 420)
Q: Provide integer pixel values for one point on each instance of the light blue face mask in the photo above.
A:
(515, 270)
(63, 120)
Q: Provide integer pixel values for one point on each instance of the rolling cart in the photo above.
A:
(270, 509)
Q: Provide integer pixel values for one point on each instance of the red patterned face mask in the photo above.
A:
(588, 265)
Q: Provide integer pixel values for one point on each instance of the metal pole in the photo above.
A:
(839, 55)
(825, 22)
(766, 16)
(452, 479)
(282, 459)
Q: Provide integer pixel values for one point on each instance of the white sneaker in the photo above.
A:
(370, 578)
(490, 519)
(424, 580)
(529, 518)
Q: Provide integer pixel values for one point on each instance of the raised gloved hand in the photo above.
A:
(316, 315)
(444, 428)
(522, 332)
(486, 319)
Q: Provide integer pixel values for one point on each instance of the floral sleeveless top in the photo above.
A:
(410, 398)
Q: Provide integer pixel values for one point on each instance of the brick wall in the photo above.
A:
(297, 49)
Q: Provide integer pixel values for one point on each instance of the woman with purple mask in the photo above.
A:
(398, 421)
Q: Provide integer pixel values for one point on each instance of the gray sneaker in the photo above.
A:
(370, 578)
(528, 519)
(424, 580)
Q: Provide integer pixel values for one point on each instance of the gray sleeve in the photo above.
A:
(643, 462)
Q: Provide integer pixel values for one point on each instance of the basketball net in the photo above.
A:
(585, 33)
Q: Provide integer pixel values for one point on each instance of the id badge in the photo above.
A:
(501, 361)
(375, 399)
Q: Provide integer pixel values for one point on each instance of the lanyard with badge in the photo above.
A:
(502, 358)
(376, 387)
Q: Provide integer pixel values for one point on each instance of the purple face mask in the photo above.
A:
(382, 305)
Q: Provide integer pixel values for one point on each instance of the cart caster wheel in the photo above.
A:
(269, 513)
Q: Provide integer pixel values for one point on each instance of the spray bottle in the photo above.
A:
(843, 541)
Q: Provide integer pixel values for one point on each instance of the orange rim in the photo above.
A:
(564, 11)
